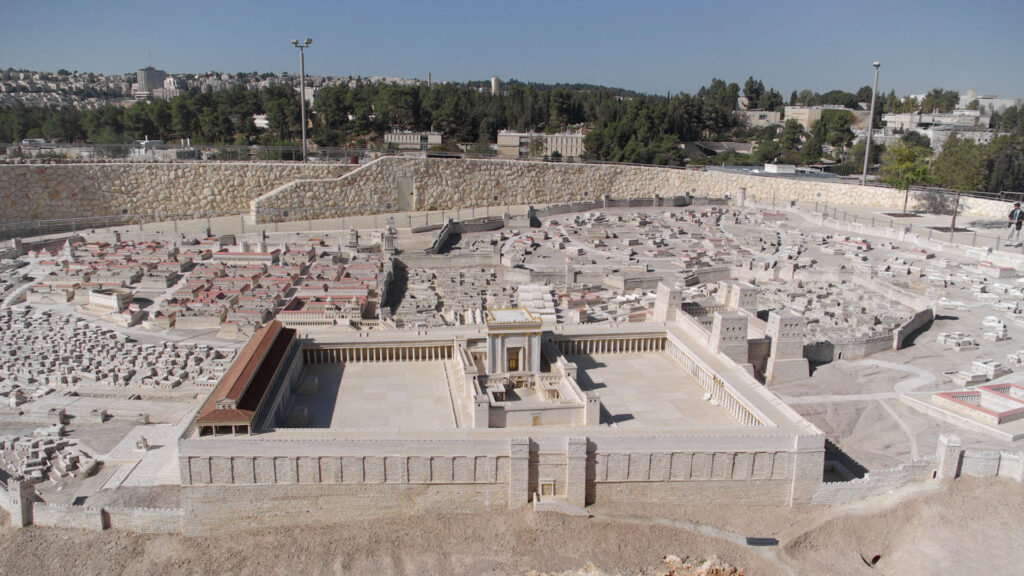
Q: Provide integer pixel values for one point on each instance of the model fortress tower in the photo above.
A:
(787, 362)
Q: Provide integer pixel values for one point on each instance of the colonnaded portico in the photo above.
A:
(466, 420)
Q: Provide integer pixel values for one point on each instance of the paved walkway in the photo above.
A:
(980, 232)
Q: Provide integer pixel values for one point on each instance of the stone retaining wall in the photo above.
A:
(444, 184)
(35, 192)
(145, 520)
(141, 520)
(921, 320)
(873, 484)
(210, 509)
(67, 516)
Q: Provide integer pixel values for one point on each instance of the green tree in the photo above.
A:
(960, 166)
(560, 109)
(791, 135)
(753, 90)
(1005, 164)
(1010, 120)
(940, 100)
(771, 100)
(833, 128)
(767, 152)
(915, 138)
(63, 125)
(138, 123)
(184, 120)
(810, 151)
(905, 165)
(536, 146)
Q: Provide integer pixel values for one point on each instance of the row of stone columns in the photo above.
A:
(383, 354)
(611, 346)
(714, 386)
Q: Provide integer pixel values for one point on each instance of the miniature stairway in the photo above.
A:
(557, 504)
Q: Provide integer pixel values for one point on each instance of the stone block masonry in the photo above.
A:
(218, 508)
(144, 520)
(67, 516)
(25, 511)
(39, 192)
(32, 192)
(440, 476)
(446, 184)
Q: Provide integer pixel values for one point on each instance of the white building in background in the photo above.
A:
(567, 144)
(407, 140)
(913, 121)
(171, 87)
(986, 102)
(761, 118)
(938, 127)
(940, 134)
(147, 80)
(495, 86)
(310, 94)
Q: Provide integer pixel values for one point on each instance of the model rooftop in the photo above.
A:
(510, 316)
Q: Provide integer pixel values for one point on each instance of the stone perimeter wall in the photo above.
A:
(141, 520)
(34, 192)
(445, 184)
(39, 192)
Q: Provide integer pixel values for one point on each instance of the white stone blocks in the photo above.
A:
(352, 470)
(396, 470)
(373, 470)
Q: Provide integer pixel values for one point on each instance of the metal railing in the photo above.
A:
(118, 152)
(126, 151)
(962, 236)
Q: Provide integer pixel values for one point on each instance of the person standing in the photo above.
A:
(1016, 220)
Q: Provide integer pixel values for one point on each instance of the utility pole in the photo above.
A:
(302, 87)
(871, 123)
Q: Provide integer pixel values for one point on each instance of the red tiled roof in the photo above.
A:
(246, 382)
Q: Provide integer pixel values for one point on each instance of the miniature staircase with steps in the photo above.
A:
(557, 504)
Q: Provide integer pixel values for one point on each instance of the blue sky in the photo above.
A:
(656, 46)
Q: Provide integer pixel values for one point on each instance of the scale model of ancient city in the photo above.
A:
(433, 336)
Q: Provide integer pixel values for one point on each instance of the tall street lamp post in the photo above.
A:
(871, 124)
(302, 87)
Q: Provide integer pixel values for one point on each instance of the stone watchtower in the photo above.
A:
(737, 296)
(787, 362)
(667, 302)
(729, 336)
(21, 496)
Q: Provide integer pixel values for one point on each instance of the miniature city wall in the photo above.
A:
(39, 192)
(770, 454)
(19, 500)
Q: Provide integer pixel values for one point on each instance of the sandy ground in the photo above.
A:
(967, 526)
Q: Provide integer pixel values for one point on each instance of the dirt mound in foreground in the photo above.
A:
(970, 527)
